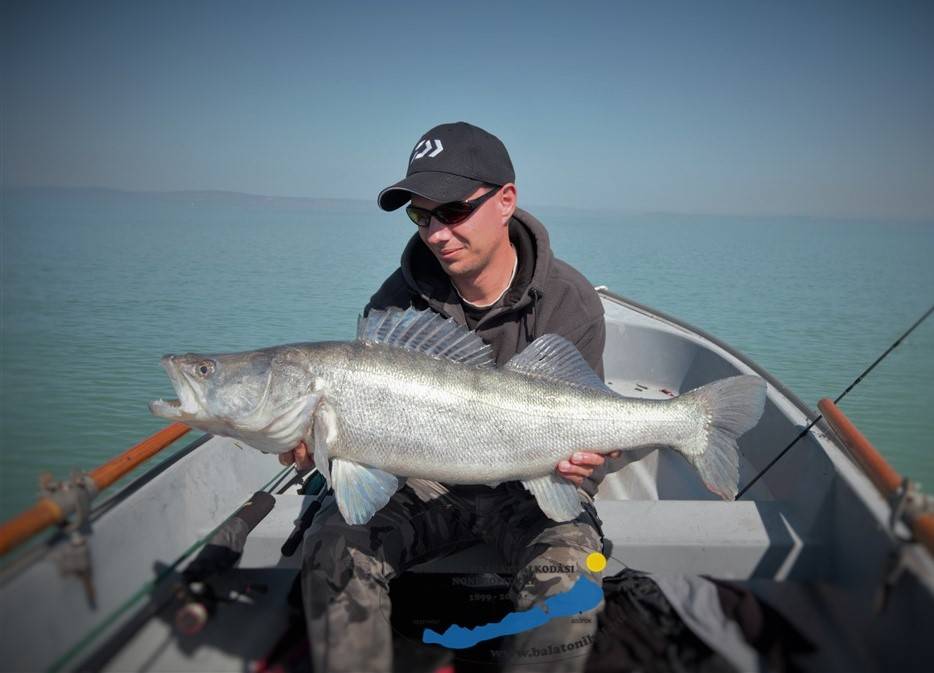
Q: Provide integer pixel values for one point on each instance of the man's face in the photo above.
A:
(466, 248)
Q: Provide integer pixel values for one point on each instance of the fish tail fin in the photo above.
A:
(734, 406)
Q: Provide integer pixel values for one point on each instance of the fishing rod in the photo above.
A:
(840, 397)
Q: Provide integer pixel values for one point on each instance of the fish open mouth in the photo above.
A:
(186, 406)
(166, 408)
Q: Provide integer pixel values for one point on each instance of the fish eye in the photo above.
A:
(205, 368)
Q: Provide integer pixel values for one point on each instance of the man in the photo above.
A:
(484, 262)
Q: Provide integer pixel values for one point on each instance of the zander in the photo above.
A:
(417, 395)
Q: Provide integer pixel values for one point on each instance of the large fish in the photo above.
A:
(419, 396)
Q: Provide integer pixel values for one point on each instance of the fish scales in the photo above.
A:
(417, 416)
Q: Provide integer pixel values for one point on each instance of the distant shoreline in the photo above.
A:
(350, 205)
(190, 196)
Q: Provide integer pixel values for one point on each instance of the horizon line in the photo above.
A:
(310, 200)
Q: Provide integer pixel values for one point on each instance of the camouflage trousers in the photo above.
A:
(346, 572)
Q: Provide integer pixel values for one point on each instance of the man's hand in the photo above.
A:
(300, 456)
(580, 466)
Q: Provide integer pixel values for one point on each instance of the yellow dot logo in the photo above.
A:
(595, 562)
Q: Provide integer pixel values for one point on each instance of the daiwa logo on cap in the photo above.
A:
(448, 163)
(424, 147)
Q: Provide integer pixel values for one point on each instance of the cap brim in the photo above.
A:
(439, 187)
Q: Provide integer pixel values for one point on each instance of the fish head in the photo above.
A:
(264, 397)
(214, 387)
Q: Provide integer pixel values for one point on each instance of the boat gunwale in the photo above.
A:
(41, 548)
(826, 432)
(809, 413)
(849, 469)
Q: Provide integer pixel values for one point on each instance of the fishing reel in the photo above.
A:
(200, 600)
(202, 589)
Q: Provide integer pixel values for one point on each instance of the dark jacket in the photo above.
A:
(547, 296)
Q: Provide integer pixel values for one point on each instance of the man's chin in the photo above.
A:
(453, 267)
(456, 269)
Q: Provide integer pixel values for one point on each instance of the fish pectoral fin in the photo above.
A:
(557, 497)
(325, 432)
(361, 490)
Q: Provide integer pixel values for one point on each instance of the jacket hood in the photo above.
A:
(425, 277)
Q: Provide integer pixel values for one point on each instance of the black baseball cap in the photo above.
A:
(448, 163)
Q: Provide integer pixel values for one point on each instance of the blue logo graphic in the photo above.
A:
(584, 595)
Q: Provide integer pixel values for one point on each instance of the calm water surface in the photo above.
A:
(95, 288)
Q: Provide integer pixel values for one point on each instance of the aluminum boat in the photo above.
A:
(109, 591)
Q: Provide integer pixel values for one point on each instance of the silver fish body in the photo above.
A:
(435, 419)
(417, 396)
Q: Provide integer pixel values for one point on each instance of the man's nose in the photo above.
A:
(437, 232)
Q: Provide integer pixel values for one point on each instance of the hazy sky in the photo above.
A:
(746, 107)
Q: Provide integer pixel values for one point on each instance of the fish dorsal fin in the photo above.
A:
(554, 357)
(425, 332)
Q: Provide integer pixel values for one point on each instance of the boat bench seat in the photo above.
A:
(724, 539)
(730, 540)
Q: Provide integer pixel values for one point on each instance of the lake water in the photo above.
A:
(97, 286)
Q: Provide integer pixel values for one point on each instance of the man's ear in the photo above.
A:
(507, 201)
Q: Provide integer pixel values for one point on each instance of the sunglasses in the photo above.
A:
(454, 212)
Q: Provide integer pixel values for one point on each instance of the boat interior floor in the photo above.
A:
(258, 617)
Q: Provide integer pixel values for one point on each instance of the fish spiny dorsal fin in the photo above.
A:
(554, 357)
(425, 332)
